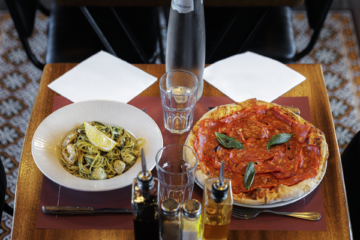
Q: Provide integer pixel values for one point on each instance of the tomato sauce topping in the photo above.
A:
(286, 163)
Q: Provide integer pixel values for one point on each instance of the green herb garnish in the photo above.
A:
(249, 175)
(279, 139)
(228, 142)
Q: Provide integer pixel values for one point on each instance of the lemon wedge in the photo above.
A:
(99, 139)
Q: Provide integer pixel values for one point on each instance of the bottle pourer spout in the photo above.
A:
(221, 174)
(220, 187)
(143, 163)
(145, 177)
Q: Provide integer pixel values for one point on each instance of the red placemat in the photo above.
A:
(54, 195)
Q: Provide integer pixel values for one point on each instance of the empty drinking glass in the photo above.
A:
(176, 166)
(178, 89)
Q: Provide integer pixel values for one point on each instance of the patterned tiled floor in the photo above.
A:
(19, 82)
(337, 51)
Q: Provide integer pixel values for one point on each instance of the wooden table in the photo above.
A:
(30, 177)
(207, 3)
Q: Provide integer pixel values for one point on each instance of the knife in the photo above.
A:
(292, 109)
(68, 210)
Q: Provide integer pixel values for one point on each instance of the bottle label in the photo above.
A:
(183, 6)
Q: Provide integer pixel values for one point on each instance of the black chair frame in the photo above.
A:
(3, 184)
(23, 31)
(126, 29)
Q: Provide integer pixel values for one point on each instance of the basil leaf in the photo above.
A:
(249, 175)
(279, 139)
(228, 142)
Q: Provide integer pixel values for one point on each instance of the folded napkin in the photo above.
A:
(249, 75)
(102, 76)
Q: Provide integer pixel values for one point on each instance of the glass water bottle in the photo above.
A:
(185, 44)
(144, 201)
(218, 204)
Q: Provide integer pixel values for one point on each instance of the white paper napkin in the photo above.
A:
(102, 76)
(249, 75)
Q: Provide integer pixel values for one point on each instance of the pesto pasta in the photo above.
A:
(83, 159)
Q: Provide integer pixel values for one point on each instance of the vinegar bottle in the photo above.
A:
(218, 203)
(144, 202)
(185, 44)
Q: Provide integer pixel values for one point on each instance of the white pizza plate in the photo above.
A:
(51, 132)
(274, 205)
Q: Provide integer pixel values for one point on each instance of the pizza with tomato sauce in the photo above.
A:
(283, 171)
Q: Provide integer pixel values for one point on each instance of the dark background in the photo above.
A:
(352, 5)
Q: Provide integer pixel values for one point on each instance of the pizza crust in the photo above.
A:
(281, 192)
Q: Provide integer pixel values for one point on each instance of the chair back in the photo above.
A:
(23, 14)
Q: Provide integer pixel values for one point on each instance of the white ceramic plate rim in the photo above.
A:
(274, 205)
(41, 144)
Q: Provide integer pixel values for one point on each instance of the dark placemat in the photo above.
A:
(54, 195)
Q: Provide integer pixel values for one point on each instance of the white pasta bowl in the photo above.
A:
(51, 132)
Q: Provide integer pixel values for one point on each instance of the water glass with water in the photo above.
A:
(176, 166)
(178, 89)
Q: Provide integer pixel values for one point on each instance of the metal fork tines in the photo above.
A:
(252, 213)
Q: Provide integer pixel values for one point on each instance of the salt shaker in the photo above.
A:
(191, 220)
(170, 220)
(218, 204)
(144, 202)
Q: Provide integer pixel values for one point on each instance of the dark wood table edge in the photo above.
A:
(339, 165)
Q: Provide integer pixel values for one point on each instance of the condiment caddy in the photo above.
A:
(190, 221)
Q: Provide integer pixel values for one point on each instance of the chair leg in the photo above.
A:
(131, 37)
(29, 53)
(43, 9)
(228, 30)
(310, 46)
(162, 59)
(98, 31)
(314, 37)
(9, 210)
(253, 31)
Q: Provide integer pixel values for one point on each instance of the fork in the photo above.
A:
(144, 110)
(252, 213)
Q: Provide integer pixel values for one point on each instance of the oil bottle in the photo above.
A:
(144, 202)
(218, 204)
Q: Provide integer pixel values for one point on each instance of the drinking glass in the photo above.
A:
(176, 166)
(178, 89)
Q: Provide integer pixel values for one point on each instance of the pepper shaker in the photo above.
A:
(170, 220)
